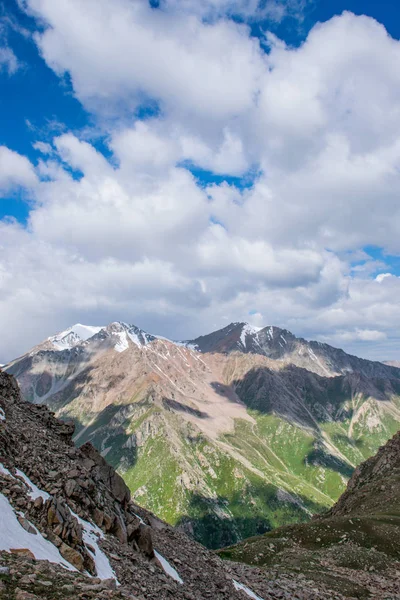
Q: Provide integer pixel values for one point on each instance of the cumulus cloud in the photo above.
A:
(119, 52)
(136, 236)
(15, 170)
(379, 278)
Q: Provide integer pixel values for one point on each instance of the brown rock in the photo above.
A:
(73, 474)
(107, 474)
(26, 525)
(98, 517)
(25, 552)
(119, 530)
(72, 556)
(52, 515)
(70, 487)
(22, 595)
(89, 564)
(38, 503)
(132, 528)
(58, 530)
(108, 521)
(144, 540)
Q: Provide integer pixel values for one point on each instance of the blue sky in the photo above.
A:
(268, 189)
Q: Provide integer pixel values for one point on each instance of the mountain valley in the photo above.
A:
(69, 529)
(226, 436)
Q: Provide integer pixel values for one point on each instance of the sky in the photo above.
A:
(182, 164)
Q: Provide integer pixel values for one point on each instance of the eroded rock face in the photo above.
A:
(73, 492)
(105, 473)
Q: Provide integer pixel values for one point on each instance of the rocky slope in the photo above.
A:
(355, 547)
(68, 528)
(226, 445)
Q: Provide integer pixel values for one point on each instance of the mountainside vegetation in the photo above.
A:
(357, 537)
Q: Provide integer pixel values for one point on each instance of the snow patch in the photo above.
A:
(122, 343)
(35, 492)
(134, 338)
(5, 471)
(2, 415)
(73, 335)
(168, 568)
(248, 329)
(140, 519)
(14, 536)
(246, 590)
(91, 535)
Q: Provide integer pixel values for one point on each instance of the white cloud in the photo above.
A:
(116, 52)
(363, 335)
(43, 147)
(8, 60)
(15, 170)
(382, 276)
(137, 238)
(275, 10)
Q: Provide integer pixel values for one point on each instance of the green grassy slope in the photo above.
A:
(360, 535)
(262, 475)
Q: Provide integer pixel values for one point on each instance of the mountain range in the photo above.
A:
(225, 436)
(69, 529)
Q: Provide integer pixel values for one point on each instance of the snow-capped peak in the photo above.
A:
(124, 331)
(77, 334)
(248, 329)
(65, 340)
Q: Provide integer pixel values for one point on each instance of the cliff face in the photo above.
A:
(69, 529)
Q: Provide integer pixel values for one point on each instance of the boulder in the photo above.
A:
(71, 555)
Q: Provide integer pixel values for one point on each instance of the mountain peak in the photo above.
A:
(74, 335)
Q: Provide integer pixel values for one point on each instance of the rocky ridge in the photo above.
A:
(281, 345)
(69, 506)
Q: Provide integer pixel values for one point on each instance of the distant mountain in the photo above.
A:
(213, 434)
(355, 547)
(280, 344)
(392, 363)
(78, 334)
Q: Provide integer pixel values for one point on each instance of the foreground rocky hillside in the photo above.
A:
(226, 443)
(68, 528)
(354, 547)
